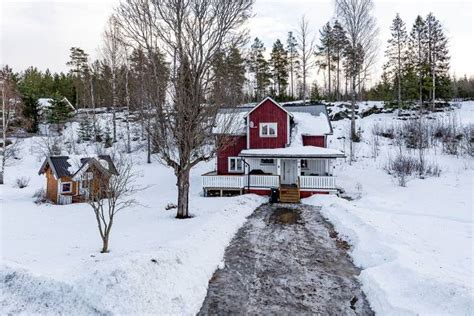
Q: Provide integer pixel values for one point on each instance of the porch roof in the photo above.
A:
(293, 152)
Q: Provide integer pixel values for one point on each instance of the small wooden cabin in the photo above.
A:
(71, 179)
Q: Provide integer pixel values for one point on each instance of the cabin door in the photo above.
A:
(288, 175)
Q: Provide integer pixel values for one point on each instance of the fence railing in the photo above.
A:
(315, 182)
(264, 181)
(214, 181)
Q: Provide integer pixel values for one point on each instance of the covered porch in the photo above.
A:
(303, 171)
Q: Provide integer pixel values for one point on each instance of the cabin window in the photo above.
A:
(66, 187)
(267, 161)
(235, 164)
(304, 164)
(268, 129)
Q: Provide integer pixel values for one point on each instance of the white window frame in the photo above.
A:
(236, 170)
(62, 187)
(306, 167)
(268, 125)
(267, 163)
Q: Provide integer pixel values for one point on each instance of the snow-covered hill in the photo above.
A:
(414, 243)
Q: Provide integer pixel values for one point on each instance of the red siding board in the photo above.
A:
(268, 112)
(318, 141)
(237, 143)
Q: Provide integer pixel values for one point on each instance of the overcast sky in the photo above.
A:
(40, 33)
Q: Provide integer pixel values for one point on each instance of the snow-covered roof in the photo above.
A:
(71, 166)
(44, 103)
(230, 122)
(293, 152)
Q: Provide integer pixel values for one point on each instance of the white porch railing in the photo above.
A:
(315, 182)
(213, 181)
(264, 181)
(65, 199)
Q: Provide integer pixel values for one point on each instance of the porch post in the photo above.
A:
(298, 167)
(278, 166)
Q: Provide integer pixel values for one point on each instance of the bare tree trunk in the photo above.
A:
(353, 123)
(399, 76)
(105, 244)
(434, 89)
(4, 133)
(183, 194)
(329, 74)
(114, 106)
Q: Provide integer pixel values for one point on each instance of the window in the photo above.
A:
(304, 164)
(267, 161)
(66, 187)
(268, 129)
(235, 164)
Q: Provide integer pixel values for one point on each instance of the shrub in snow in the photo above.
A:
(40, 196)
(170, 206)
(401, 168)
(22, 182)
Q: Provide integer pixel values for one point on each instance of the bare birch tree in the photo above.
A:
(109, 193)
(191, 33)
(11, 103)
(356, 18)
(306, 46)
(112, 53)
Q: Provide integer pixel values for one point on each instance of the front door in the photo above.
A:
(288, 174)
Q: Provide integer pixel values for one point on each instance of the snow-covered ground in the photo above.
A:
(50, 260)
(414, 243)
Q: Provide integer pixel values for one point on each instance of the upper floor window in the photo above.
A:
(235, 164)
(268, 129)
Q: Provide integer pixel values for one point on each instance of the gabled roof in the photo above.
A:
(61, 167)
(88, 162)
(273, 101)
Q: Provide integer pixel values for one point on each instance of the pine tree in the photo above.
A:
(259, 67)
(85, 131)
(59, 112)
(417, 51)
(438, 55)
(340, 43)
(30, 111)
(78, 63)
(396, 53)
(314, 95)
(293, 61)
(279, 66)
(325, 53)
(236, 74)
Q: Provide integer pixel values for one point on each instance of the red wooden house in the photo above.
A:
(274, 146)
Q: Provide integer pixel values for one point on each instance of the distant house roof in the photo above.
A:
(44, 103)
(65, 166)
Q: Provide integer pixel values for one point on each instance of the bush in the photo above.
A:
(401, 168)
(404, 166)
(22, 182)
(40, 196)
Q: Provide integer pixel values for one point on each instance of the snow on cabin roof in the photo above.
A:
(293, 152)
(70, 166)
